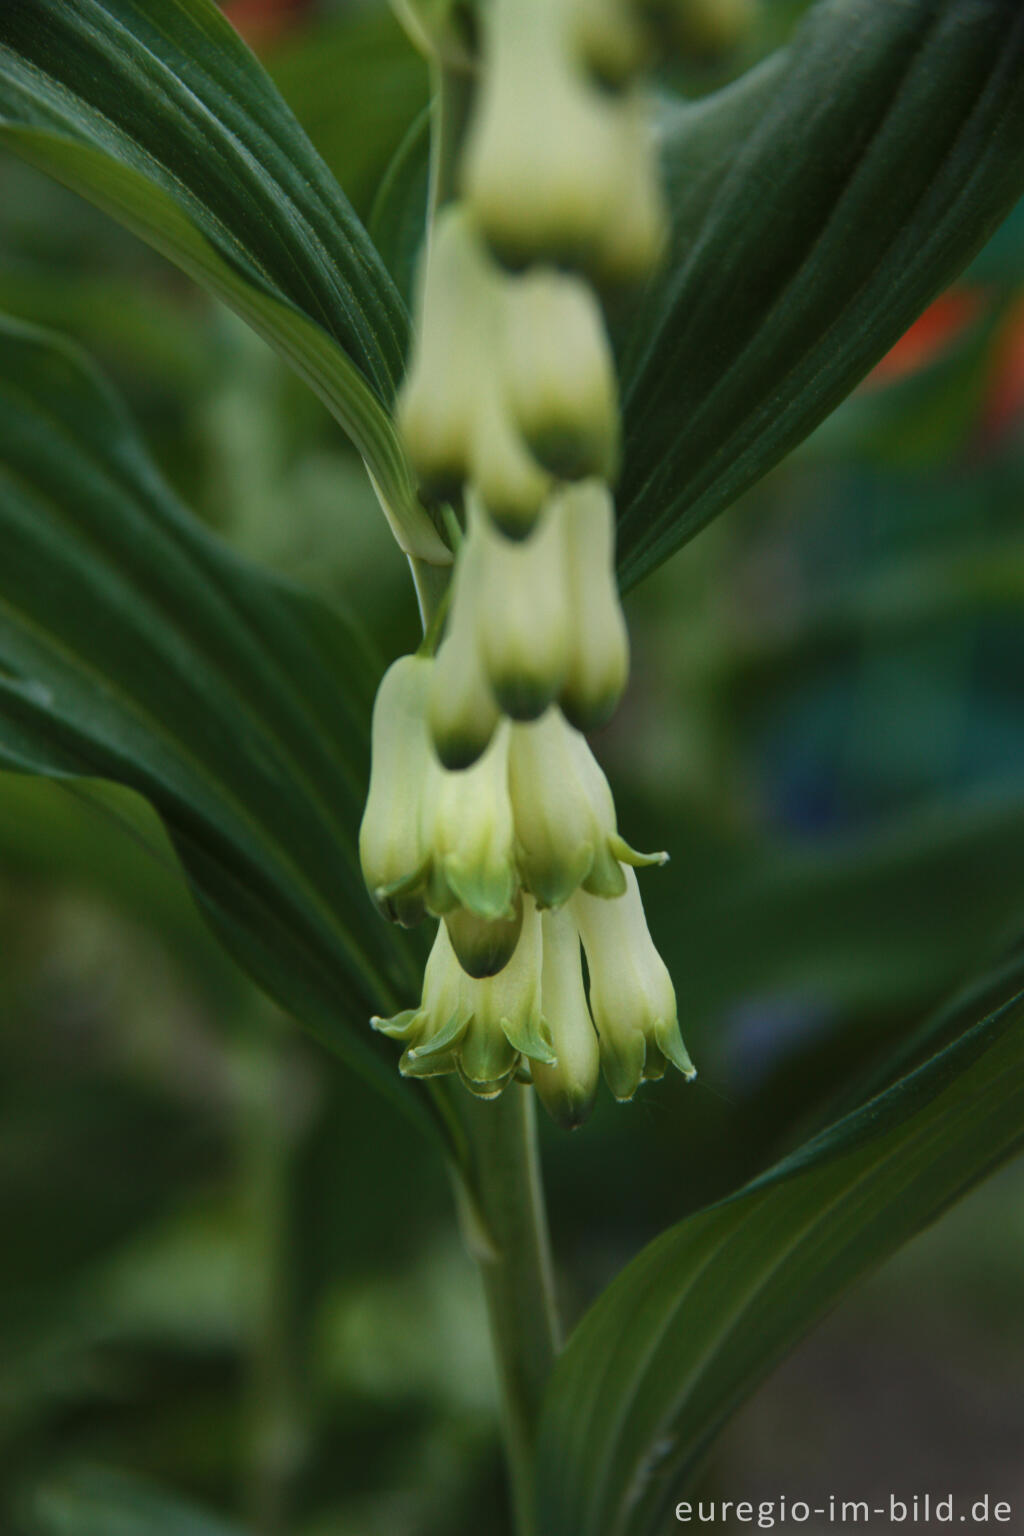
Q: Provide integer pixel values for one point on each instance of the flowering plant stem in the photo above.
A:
(515, 1264)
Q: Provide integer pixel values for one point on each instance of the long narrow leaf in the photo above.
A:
(818, 205)
(695, 1322)
(134, 647)
(159, 114)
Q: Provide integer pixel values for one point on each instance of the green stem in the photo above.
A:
(508, 1235)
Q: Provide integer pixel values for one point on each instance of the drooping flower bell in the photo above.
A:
(522, 621)
(479, 1028)
(598, 662)
(632, 998)
(559, 376)
(394, 836)
(565, 826)
(553, 157)
(462, 709)
(568, 1085)
(471, 838)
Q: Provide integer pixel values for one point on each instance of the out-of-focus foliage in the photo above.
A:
(231, 1273)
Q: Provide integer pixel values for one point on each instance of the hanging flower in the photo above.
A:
(565, 827)
(632, 998)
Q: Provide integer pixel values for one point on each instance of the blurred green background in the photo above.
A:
(229, 1276)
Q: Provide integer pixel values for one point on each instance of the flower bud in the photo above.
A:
(522, 620)
(456, 313)
(394, 849)
(565, 829)
(484, 946)
(462, 711)
(599, 644)
(471, 836)
(631, 994)
(567, 1087)
(542, 162)
(559, 375)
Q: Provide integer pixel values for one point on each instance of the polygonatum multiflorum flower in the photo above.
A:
(487, 808)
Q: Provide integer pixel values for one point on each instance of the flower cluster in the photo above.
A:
(487, 808)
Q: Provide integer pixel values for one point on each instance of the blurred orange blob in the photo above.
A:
(263, 21)
(929, 336)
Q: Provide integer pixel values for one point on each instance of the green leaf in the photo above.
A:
(356, 84)
(399, 215)
(94, 1501)
(160, 115)
(694, 1323)
(134, 647)
(818, 205)
(103, 840)
(879, 923)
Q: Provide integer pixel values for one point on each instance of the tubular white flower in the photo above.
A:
(567, 1087)
(471, 837)
(522, 620)
(508, 479)
(462, 709)
(599, 644)
(457, 316)
(565, 827)
(432, 1032)
(544, 163)
(478, 1028)
(634, 242)
(632, 997)
(559, 375)
(394, 848)
(507, 1020)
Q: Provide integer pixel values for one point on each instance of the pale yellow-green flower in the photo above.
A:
(394, 844)
(463, 711)
(522, 620)
(635, 242)
(479, 1028)
(559, 376)
(457, 314)
(568, 1085)
(551, 156)
(565, 827)
(632, 998)
(598, 645)
(470, 836)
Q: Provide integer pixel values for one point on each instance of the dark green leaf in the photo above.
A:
(694, 1323)
(134, 647)
(100, 839)
(356, 84)
(856, 924)
(162, 116)
(399, 214)
(818, 205)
